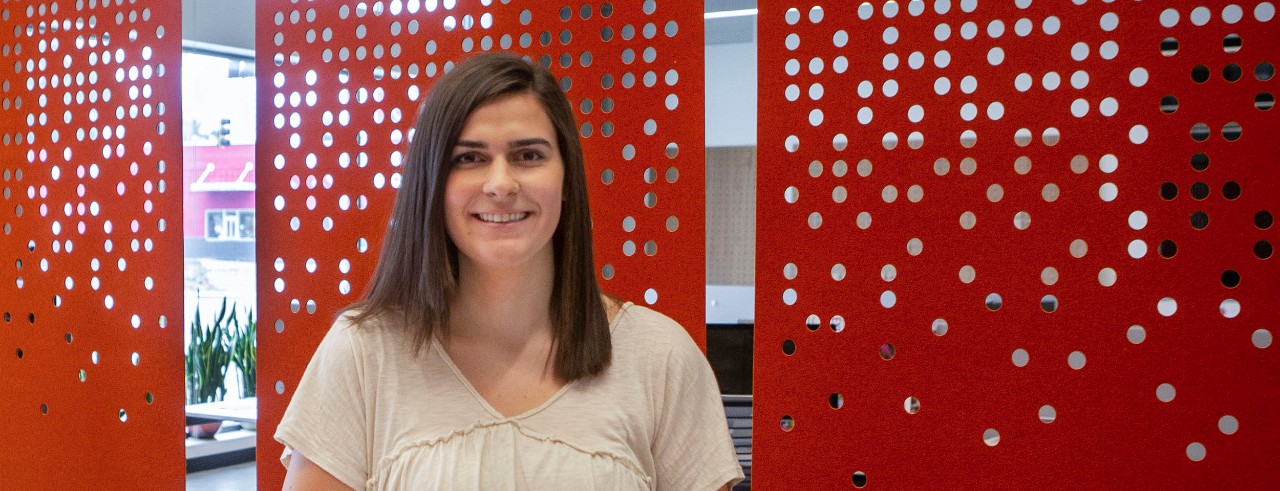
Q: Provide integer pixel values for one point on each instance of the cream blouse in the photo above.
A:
(374, 415)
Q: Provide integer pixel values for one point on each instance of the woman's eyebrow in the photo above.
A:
(471, 144)
(528, 142)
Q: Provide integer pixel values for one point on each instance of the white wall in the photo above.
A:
(220, 22)
(731, 95)
(731, 304)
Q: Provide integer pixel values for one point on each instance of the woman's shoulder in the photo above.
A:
(355, 327)
(638, 326)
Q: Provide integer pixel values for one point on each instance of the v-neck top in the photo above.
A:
(439, 350)
(375, 415)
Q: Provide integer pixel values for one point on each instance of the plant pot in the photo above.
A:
(206, 430)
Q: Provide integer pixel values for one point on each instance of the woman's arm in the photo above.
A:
(305, 475)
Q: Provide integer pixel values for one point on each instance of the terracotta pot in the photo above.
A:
(206, 430)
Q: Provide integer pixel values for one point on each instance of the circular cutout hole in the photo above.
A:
(1136, 334)
(1076, 360)
(887, 351)
(1264, 101)
(994, 302)
(991, 437)
(939, 327)
(1020, 357)
(1228, 425)
(1264, 71)
(1049, 303)
(789, 347)
(1048, 414)
(1231, 43)
(1231, 190)
(1167, 249)
(1261, 338)
(859, 479)
(1230, 278)
(911, 405)
(1263, 220)
(1168, 191)
(1169, 46)
(1232, 72)
(1200, 74)
(1199, 191)
(1231, 131)
(1199, 220)
(1200, 132)
(1168, 104)
(835, 400)
(1262, 249)
(1200, 161)
(1196, 451)
(788, 423)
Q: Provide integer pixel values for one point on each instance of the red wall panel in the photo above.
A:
(91, 365)
(340, 84)
(968, 216)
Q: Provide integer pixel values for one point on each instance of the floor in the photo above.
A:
(239, 477)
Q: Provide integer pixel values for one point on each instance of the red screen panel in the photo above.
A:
(340, 84)
(91, 363)
(1016, 244)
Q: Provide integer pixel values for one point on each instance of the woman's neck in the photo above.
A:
(502, 305)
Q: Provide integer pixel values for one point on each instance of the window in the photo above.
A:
(229, 224)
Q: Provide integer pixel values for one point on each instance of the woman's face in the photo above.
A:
(505, 186)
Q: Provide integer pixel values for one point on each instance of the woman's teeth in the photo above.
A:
(503, 217)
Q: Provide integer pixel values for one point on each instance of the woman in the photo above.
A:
(484, 355)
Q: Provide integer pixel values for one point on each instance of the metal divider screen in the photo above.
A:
(340, 84)
(91, 364)
(1017, 244)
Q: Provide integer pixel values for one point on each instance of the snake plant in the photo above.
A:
(244, 353)
(208, 357)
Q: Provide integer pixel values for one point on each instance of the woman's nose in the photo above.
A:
(499, 181)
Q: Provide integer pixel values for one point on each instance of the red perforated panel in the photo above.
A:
(91, 340)
(968, 215)
(340, 86)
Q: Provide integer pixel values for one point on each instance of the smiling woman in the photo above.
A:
(505, 186)
(484, 355)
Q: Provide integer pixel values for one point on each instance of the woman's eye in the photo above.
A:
(466, 158)
(528, 156)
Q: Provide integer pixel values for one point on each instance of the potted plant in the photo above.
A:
(244, 353)
(208, 357)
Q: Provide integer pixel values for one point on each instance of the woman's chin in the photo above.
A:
(501, 258)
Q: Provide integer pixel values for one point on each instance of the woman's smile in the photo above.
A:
(502, 218)
(505, 186)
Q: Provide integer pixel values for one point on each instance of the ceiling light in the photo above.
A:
(723, 14)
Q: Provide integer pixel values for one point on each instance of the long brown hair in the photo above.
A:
(417, 271)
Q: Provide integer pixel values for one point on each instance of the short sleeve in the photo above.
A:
(692, 449)
(326, 419)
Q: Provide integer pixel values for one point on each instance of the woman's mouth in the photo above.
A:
(502, 217)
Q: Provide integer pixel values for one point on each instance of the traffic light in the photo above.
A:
(224, 129)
